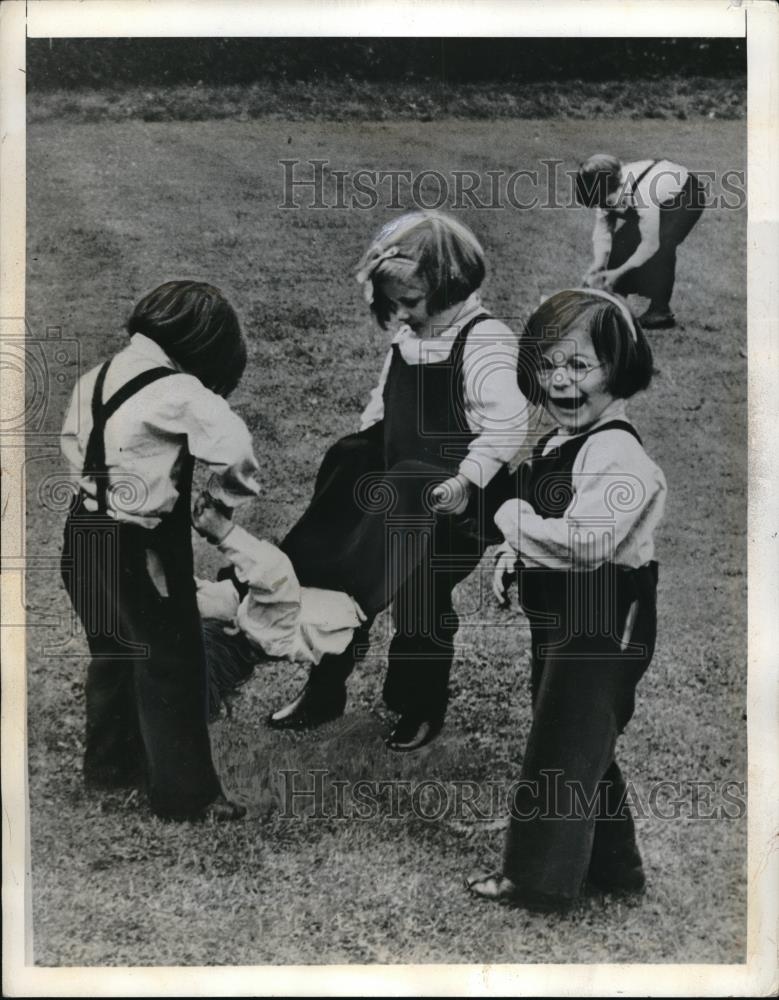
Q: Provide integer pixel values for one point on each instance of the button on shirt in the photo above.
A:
(618, 501)
(662, 182)
(496, 411)
(145, 438)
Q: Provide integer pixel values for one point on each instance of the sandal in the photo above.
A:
(499, 889)
(496, 887)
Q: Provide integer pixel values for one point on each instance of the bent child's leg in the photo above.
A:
(315, 545)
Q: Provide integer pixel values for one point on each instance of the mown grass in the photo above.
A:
(116, 207)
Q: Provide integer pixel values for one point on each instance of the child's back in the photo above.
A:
(134, 427)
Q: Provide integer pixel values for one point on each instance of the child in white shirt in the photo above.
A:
(134, 428)
(402, 510)
(644, 210)
(590, 500)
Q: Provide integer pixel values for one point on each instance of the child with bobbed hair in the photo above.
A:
(402, 510)
(580, 543)
(134, 428)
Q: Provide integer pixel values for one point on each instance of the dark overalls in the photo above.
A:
(593, 636)
(370, 530)
(655, 278)
(146, 683)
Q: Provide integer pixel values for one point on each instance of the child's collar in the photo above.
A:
(148, 348)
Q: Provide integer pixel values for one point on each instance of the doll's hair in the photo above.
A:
(619, 342)
(197, 328)
(425, 246)
(596, 178)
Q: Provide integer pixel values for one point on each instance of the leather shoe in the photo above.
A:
(411, 733)
(309, 709)
(223, 810)
(657, 319)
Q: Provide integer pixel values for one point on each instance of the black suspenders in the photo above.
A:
(638, 180)
(94, 458)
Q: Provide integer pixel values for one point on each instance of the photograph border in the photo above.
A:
(366, 18)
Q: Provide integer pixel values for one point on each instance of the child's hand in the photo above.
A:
(589, 279)
(603, 280)
(209, 519)
(452, 495)
(505, 574)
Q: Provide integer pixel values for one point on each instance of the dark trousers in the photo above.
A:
(655, 278)
(369, 531)
(146, 694)
(569, 808)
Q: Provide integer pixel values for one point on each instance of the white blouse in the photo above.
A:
(663, 181)
(618, 501)
(283, 619)
(143, 440)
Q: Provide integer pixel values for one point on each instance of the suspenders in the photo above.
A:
(610, 425)
(641, 176)
(94, 458)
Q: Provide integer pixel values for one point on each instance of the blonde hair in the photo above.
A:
(427, 246)
(596, 178)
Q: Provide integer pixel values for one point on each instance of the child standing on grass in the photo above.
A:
(583, 527)
(133, 430)
(400, 509)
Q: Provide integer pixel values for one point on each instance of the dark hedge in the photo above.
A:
(72, 63)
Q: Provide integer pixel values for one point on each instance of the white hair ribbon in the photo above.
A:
(374, 260)
(615, 300)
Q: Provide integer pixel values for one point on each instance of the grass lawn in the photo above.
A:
(115, 208)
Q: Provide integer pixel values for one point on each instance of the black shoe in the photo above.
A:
(311, 708)
(657, 319)
(618, 878)
(223, 810)
(411, 733)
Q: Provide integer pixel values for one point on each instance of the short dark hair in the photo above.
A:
(597, 178)
(427, 246)
(197, 328)
(627, 358)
